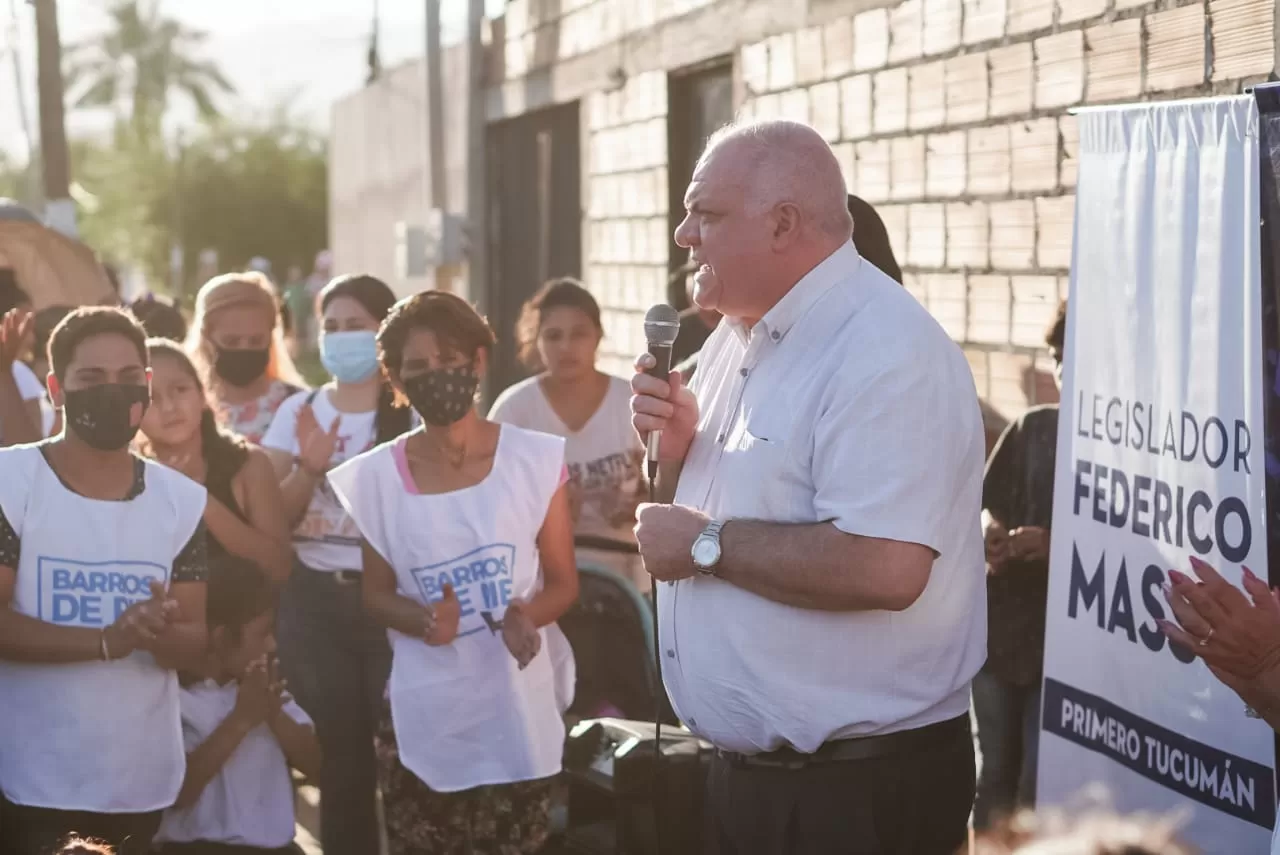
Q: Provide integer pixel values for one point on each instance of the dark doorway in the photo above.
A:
(535, 221)
(699, 102)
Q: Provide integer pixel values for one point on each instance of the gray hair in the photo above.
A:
(790, 162)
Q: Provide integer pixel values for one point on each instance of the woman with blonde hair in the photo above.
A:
(237, 344)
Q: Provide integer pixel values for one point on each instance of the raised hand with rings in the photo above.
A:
(1231, 630)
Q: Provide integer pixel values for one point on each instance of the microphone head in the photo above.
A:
(661, 325)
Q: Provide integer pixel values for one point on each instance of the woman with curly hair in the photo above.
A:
(471, 736)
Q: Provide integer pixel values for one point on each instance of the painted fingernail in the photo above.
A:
(1178, 578)
(1167, 590)
(1197, 563)
(1248, 574)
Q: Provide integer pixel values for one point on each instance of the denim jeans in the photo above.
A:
(1009, 738)
(336, 662)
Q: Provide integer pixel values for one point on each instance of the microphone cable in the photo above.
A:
(659, 691)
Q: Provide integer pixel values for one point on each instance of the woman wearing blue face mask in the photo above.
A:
(335, 659)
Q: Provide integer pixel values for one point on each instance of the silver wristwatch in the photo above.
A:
(706, 549)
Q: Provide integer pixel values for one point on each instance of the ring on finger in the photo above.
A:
(1204, 642)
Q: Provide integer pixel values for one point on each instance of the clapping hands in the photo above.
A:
(262, 692)
(140, 625)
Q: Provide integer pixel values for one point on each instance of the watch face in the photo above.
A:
(706, 552)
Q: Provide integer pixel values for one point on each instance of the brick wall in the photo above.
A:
(950, 116)
(539, 33)
(626, 245)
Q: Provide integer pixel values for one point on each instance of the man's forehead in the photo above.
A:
(715, 176)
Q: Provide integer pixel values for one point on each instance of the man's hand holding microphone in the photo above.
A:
(665, 533)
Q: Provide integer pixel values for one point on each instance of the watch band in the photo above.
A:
(712, 533)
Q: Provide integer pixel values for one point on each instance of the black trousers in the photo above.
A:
(41, 831)
(914, 802)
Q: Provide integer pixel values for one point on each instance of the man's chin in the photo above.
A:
(707, 299)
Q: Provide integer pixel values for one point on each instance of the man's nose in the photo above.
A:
(686, 236)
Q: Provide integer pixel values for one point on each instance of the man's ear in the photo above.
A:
(786, 229)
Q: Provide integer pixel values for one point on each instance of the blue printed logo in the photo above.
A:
(92, 593)
(481, 579)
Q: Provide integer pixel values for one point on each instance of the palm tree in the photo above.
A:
(142, 58)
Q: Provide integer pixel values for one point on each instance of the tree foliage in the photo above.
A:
(141, 59)
(249, 187)
(242, 189)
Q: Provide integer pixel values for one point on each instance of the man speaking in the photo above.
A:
(826, 607)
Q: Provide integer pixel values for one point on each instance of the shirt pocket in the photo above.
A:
(760, 478)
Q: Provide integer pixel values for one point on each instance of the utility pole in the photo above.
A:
(60, 211)
(439, 198)
(477, 167)
(32, 189)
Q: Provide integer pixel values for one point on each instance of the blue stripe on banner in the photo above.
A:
(1231, 784)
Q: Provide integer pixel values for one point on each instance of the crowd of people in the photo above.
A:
(275, 558)
(211, 574)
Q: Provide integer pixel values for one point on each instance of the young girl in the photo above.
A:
(468, 560)
(244, 514)
(238, 347)
(241, 731)
(335, 657)
(559, 333)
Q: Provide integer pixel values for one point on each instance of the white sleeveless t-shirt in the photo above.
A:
(104, 737)
(464, 714)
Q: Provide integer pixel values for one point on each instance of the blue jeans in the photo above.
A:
(1009, 738)
(336, 662)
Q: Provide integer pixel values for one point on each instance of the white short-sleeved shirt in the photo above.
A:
(326, 539)
(605, 461)
(250, 801)
(846, 403)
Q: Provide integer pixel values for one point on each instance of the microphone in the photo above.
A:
(661, 327)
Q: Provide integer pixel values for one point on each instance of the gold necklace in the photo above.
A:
(454, 459)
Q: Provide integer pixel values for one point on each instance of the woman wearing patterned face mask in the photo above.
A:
(335, 659)
(237, 344)
(472, 734)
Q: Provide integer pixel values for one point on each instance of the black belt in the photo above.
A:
(342, 578)
(858, 747)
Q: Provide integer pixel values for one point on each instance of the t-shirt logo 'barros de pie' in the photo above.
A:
(92, 593)
(481, 579)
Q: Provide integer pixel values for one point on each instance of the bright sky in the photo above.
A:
(310, 51)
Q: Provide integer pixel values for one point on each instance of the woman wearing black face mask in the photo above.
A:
(102, 597)
(467, 539)
(238, 346)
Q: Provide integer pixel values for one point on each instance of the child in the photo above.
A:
(242, 732)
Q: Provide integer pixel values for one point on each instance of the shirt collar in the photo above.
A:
(793, 306)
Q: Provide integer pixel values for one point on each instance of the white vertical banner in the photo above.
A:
(1160, 457)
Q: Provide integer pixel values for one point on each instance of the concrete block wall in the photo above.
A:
(540, 33)
(952, 120)
(625, 188)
